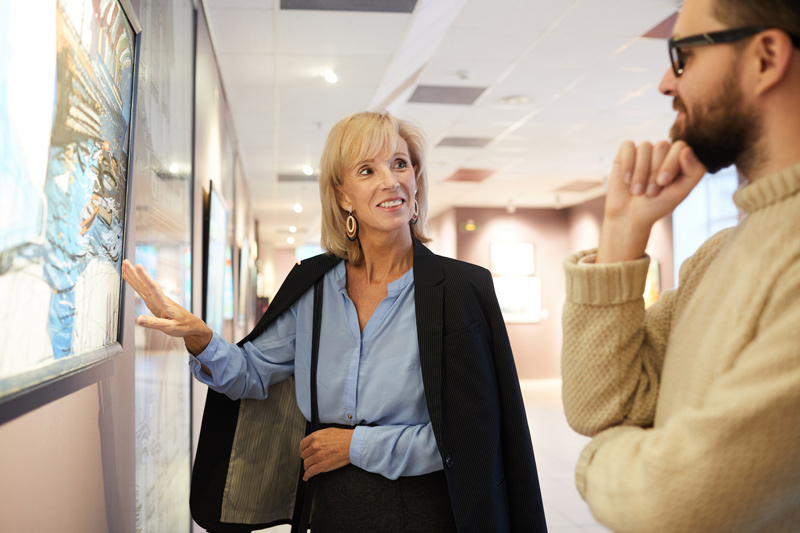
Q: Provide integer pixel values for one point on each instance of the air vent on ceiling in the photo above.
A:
(579, 186)
(370, 6)
(465, 142)
(470, 174)
(662, 30)
(296, 178)
(442, 94)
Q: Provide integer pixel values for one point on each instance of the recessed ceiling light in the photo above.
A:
(516, 99)
(292, 229)
(308, 170)
(174, 168)
(290, 240)
(330, 76)
(297, 208)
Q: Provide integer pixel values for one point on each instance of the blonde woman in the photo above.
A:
(412, 402)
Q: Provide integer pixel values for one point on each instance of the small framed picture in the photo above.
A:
(520, 298)
(512, 259)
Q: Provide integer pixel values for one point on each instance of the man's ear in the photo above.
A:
(773, 53)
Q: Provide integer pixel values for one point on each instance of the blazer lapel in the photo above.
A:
(428, 295)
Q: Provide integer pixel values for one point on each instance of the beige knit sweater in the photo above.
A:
(694, 405)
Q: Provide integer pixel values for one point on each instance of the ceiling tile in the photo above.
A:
(438, 94)
(470, 174)
(471, 142)
(380, 6)
(352, 71)
(241, 31)
(348, 34)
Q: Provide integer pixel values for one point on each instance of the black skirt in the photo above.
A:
(352, 500)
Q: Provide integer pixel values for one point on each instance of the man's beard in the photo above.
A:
(722, 131)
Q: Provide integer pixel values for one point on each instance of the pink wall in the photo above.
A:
(67, 449)
(284, 261)
(537, 347)
(586, 219)
(443, 229)
(555, 234)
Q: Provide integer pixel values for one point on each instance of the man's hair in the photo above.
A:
(782, 14)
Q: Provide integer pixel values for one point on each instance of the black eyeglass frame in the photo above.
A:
(718, 37)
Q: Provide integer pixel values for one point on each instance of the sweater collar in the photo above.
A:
(768, 190)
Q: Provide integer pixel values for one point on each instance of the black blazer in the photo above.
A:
(473, 397)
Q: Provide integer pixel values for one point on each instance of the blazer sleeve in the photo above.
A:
(522, 482)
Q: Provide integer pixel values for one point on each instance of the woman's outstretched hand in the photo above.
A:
(168, 316)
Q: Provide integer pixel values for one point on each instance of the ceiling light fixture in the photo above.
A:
(516, 99)
(174, 168)
(330, 76)
(308, 170)
(292, 229)
(297, 208)
(290, 240)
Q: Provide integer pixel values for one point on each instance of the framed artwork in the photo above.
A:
(244, 284)
(652, 285)
(215, 252)
(67, 102)
(520, 298)
(512, 259)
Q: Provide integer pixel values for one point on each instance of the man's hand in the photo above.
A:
(325, 450)
(169, 317)
(646, 183)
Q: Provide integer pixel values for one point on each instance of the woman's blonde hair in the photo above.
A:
(356, 138)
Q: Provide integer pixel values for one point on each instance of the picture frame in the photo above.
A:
(512, 259)
(215, 246)
(520, 298)
(66, 156)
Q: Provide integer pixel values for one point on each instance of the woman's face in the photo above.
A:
(381, 192)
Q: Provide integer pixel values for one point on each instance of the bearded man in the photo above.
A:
(693, 404)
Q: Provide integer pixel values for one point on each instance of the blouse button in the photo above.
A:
(349, 417)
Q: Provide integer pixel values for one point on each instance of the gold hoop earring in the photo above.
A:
(415, 218)
(352, 227)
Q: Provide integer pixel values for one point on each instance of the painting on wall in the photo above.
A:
(511, 259)
(652, 285)
(520, 298)
(67, 83)
(216, 244)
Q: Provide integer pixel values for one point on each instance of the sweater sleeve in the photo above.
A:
(740, 445)
(613, 350)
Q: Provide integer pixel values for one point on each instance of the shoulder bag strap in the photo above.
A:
(305, 514)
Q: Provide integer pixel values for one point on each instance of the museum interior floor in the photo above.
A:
(557, 448)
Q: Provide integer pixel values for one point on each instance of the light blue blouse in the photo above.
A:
(365, 377)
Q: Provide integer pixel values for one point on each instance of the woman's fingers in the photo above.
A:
(152, 285)
(161, 324)
(130, 275)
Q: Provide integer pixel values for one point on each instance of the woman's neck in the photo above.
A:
(386, 258)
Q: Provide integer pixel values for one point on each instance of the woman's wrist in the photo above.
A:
(197, 342)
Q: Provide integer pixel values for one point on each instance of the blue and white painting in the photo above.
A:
(66, 78)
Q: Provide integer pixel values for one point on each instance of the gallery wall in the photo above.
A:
(67, 447)
(163, 183)
(554, 234)
(108, 448)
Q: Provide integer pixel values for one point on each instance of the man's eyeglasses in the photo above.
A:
(718, 37)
